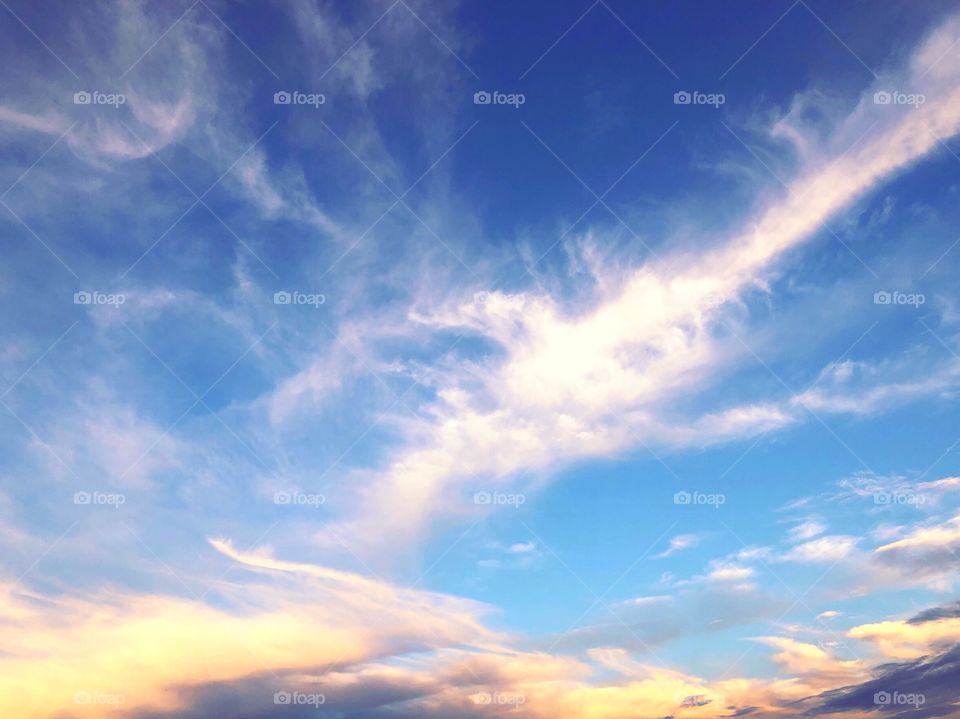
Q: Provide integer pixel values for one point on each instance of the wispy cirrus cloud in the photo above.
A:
(568, 385)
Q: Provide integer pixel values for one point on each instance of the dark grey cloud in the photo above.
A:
(365, 697)
(934, 679)
(948, 611)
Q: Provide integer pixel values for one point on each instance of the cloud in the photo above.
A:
(947, 484)
(304, 618)
(287, 198)
(522, 548)
(951, 611)
(723, 572)
(632, 361)
(806, 530)
(162, 98)
(37, 123)
(879, 390)
(801, 659)
(305, 390)
(570, 384)
(365, 646)
(825, 549)
(678, 544)
(909, 640)
(372, 649)
(926, 546)
(527, 685)
(647, 601)
(935, 679)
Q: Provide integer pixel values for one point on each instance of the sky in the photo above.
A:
(380, 360)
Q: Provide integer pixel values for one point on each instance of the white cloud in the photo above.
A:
(570, 385)
(724, 572)
(825, 549)
(37, 123)
(806, 530)
(522, 548)
(648, 601)
(937, 538)
(679, 543)
(801, 659)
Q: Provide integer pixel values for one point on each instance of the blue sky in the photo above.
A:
(630, 392)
